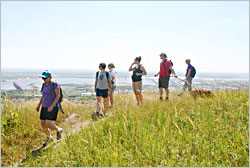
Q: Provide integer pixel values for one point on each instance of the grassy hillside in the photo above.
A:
(21, 130)
(181, 132)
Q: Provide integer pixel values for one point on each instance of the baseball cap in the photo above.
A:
(45, 74)
(163, 54)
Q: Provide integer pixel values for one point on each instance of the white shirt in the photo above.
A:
(112, 74)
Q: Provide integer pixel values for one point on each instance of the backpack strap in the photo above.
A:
(107, 74)
(42, 87)
(53, 87)
(164, 65)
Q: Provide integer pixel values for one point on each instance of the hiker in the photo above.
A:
(50, 106)
(189, 76)
(102, 88)
(138, 72)
(166, 68)
(112, 73)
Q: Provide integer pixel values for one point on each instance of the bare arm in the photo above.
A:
(110, 84)
(173, 71)
(57, 92)
(130, 68)
(189, 72)
(95, 84)
(144, 71)
(39, 104)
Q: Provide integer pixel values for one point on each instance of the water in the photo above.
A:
(29, 79)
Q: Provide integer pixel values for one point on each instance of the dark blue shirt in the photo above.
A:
(189, 67)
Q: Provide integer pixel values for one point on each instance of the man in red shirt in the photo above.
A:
(165, 66)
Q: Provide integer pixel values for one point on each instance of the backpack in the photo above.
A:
(107, 74)
(193, 72)
(61, 94)
(164, 64)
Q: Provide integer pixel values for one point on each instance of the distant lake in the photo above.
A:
(26, 78)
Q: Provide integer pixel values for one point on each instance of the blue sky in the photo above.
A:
(80, 35)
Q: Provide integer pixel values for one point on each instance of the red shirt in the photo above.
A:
(164, 71)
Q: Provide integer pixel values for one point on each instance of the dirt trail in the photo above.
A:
(69, 129)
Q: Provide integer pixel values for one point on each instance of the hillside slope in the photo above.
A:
(180, 132)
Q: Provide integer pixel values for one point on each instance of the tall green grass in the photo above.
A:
(180, 132)
(20, 127)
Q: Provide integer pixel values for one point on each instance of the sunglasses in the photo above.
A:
(44, 78)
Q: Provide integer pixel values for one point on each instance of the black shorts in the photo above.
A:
(45, 115)
(163, 82)
(103, 93)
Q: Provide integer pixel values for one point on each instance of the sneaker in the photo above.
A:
(59, 133)
(48, 140)
(97, 113)
(161, 98)
(166, 98)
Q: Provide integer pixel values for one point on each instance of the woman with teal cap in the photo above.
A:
(50, 105)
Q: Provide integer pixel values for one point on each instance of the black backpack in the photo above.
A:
(61, 94)
(107, 74)
(193, 72)
(169, 71)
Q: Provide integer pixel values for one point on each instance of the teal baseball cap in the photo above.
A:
(46, 74)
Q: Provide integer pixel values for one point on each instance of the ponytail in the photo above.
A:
(138, 59)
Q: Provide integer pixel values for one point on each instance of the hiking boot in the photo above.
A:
(167, 98)
(160, 98)
(59, 133)
(48, 140)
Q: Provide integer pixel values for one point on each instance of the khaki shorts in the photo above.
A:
(137, 86)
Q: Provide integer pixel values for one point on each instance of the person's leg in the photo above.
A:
(185, 86)
(190, 84)
(45, 128)
(137, 98)
(160, 87)
(105, 101)
(140, 97)
(167, 92)
(166, 84)
(111, 99)
(98, 104)
(161, 92)
(52, 126)
(139, 88)
(135, 92)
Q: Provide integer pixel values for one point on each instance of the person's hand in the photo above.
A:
(156, 75)
(109, 92)
(132, 64)
(138, 74)
(50, 108)
(38, 108)
(95, 89)
(176, 76)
